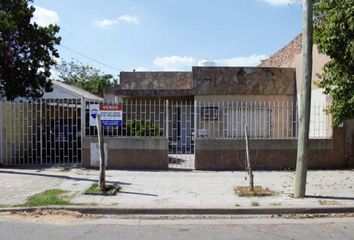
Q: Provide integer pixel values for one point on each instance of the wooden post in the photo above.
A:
(102, 178)
(2, 140)
(249, 169)
(305, 101)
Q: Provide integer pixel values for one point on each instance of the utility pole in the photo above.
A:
(102, 177)
(305, 101)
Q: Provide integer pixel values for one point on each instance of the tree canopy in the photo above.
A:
(27, 51)
(85, 77)
(334, 36)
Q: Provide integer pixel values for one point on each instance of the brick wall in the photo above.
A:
(285, 56)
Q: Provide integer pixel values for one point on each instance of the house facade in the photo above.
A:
(218, 100)
(204, 113)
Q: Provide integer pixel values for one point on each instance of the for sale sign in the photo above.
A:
(111, 114)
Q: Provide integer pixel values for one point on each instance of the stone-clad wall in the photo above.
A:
(211, 81)
(156, 80)
(243, 81)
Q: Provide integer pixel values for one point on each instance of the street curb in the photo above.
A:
(191, 211)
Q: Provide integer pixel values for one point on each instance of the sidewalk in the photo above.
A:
(176, 189)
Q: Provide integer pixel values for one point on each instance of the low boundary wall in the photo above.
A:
(269, 154)
(129, 152)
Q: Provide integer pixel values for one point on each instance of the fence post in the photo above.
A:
(167, 123)
(83, 118)
(83, 127)
(1, 135)
(41, 128)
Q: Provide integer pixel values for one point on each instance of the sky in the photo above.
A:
(169, 35)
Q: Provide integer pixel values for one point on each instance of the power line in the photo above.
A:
(90, 58)
(80, 41)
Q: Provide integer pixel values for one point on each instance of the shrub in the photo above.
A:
(138, 128)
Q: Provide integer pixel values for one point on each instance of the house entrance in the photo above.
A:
(181, 134)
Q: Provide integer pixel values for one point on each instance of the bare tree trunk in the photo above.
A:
(102, 178)
(249, 169)
(305, 101)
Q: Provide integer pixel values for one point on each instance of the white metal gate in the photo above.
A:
(43, 132)
(181, 122)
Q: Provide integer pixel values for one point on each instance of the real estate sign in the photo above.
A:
(111, 114)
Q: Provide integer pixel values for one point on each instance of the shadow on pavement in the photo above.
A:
(136, 193)
(61, 176)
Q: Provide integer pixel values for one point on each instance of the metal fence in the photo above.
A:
(140, 118)
(41, 132)
(183, 121)
(265, 120)
(50, 131)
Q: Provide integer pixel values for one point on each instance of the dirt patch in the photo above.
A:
(258, 191)
(327, 202)
(50, 216)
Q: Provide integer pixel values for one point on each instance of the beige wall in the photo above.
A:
(319, 60)
(318, 98)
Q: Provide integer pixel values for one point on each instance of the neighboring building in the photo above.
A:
(45, 131)
(66, 91)
(290, 57)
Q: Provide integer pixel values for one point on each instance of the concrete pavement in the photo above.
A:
(304, 229)
(177, 189)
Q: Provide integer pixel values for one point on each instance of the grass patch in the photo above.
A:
(95, 190)
(48, 198)
(254, 204)
(258, 191)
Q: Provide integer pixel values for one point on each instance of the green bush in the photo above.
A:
(137, 128)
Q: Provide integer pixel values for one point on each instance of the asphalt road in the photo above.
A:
(312, 229)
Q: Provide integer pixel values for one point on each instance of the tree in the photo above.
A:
(27, 51)
(85, 76)
(334, 36)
